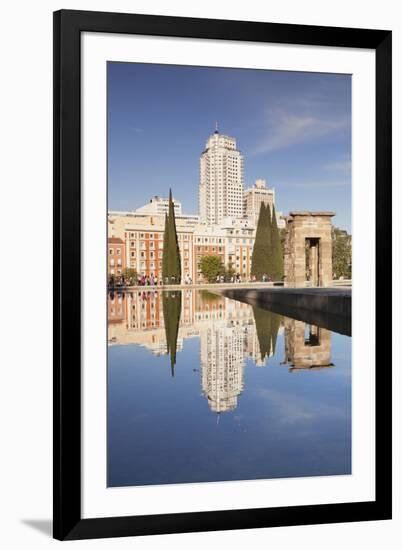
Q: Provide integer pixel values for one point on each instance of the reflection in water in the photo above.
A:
(229, 332)
(171, 315)
(306, 346)
(160, 429)
(267, 325)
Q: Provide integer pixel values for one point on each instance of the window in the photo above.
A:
(111, 251)
(118, 251)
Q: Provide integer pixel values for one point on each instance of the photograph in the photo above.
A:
(229, 274)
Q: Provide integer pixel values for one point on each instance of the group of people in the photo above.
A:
(149, 280)
(233, 279)
(154, 280)
(265, 278)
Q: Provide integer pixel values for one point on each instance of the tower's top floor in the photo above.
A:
(217, 140)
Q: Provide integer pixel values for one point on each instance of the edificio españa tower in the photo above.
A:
(221, 180)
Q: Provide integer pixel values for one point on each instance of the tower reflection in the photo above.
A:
(230, 333)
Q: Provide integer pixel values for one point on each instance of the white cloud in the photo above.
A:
(339, 166)
(136, 129)
(284, 129)
(300, 184)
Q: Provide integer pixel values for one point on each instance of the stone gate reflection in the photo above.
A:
(306, 346)
(231, 334)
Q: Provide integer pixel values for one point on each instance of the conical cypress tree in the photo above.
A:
(171, 317)
(259, 256)
(165, 249)
(171, 264)
(263, 326)
(276, 250)
(268, 238)
(267, 325)
(275, 324)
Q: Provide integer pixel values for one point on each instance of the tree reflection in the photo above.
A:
(267, 325)
(171, 315)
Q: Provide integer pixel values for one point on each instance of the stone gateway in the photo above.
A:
(308, 249)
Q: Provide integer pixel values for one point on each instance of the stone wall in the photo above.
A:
(306, 351)
(311, 230)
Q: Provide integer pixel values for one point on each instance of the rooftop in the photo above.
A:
(309, 213)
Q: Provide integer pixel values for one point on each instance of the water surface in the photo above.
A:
(204, 388)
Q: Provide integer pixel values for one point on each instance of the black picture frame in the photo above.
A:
(68, 26)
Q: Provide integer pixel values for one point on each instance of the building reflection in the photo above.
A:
(306, 346)
(230, 334)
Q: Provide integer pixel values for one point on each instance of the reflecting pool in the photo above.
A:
(205, 388)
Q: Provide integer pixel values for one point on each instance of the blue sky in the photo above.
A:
(294, 130)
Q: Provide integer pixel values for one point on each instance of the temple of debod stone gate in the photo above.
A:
(306, 351)
(308, 249)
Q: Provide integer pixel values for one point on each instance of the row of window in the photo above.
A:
(199, 249)
(155, 236)
(208, 239)
(111, 262)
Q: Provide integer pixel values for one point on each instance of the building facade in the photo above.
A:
(226, 330)
(142, 236)
(221, 180)
(159, 206)
(256, 195)
(259, 194)
(116, 258)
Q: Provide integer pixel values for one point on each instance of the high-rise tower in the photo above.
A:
(221, 180)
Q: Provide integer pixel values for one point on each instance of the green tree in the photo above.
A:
(260, 254)
(267, 325)
(229, 272)
(171, 263)
(211, 267)
(276, 256)
(129, 275)
(171, 316)
(275, 324)
(262, 321)
(341, 253)
(165, 248)
(268, 236)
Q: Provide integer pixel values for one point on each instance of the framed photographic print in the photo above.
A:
(218, 185)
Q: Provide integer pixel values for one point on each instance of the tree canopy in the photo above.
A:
(260, 254)
(267, 255)
(211, 267)
(341, 253)
(267, 325)
(276, 259)
(171, 316)
(171, 263)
